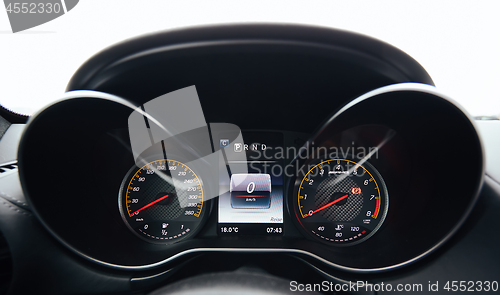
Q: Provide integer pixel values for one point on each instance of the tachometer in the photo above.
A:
(162, 201)
(340, 201)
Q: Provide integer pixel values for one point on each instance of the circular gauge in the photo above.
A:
(340, 201)
(162, 201)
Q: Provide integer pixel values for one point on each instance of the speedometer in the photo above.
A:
(340, 201)
(162, 201)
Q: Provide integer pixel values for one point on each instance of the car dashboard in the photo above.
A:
(252, 154)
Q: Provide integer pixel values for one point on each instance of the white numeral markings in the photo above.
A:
(251, 187)
(42, 8)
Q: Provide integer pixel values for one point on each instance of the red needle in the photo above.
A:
(327, 205)
(150, 204)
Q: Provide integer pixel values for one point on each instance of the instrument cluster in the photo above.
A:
(368, 191)
(322, 144)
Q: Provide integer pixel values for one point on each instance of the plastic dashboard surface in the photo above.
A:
(334, 103)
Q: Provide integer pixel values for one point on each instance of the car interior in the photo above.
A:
(249, 158)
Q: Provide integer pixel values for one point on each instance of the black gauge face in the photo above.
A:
(341, 202)
(162, 202)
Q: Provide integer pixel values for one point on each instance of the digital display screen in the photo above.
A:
(251, 203)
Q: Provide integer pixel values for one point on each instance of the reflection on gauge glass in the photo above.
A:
(162, 202)
(341, 202)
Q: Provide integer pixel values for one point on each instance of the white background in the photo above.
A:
(457, 42)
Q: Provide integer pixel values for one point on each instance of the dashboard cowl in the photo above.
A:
(303, 80)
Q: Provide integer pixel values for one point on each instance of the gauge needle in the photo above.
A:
(149, 205)
(327, 205)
